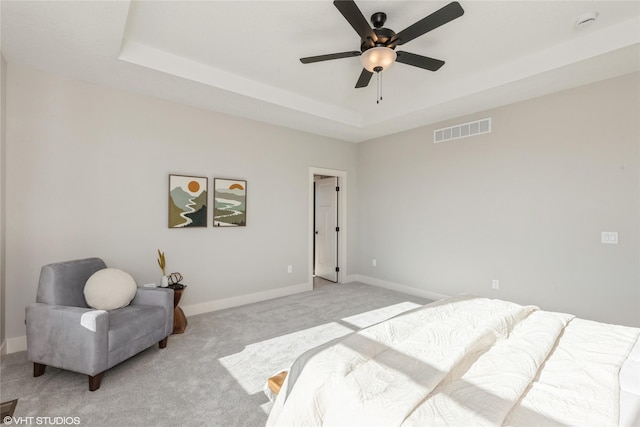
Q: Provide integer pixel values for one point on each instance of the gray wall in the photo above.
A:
(3, 104)
(88, 176)
(524, 204)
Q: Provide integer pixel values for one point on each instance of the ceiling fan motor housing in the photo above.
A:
(384, 36)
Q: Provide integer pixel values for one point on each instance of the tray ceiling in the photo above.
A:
(241, 57)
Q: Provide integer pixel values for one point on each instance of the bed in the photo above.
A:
(468, 361)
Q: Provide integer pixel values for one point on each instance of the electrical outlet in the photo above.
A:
(495, 284)
(290, 269)
(374, 263)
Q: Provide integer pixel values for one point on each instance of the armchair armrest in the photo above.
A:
(161, 297)
(56, 337)
(154, 296)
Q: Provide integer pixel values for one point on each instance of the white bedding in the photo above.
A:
(466, 361)
(630, 389)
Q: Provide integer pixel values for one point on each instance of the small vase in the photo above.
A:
(164, 282)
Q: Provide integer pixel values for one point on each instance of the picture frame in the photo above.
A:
(229, 202)
(188, 201)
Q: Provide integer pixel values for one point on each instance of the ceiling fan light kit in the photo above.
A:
(378, 58)
(377, 45)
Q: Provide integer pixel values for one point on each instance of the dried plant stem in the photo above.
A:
(161, 262)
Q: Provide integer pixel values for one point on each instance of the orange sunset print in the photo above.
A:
(187, 201)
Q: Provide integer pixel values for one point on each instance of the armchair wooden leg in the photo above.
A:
(38, 369)
(163, 343)
(94, 382)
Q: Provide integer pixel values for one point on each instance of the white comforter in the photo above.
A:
(462, 361)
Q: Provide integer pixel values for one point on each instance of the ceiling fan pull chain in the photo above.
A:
(378, 88)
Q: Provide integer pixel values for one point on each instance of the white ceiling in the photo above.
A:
(241, 57)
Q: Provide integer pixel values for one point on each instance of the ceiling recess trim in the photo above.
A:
(165, 62)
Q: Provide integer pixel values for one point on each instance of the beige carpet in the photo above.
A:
(213, 374)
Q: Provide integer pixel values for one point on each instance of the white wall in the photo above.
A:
(524, 204)
(88, 176)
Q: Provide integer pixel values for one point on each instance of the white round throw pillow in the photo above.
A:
(109, 288)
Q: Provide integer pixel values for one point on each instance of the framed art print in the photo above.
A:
(187, 201)
(230, 203)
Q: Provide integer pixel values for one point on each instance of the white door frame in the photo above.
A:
(342, 220)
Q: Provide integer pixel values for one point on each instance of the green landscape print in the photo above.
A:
(230, 203)
(187, 201)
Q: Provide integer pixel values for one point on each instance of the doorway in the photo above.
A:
(327, 225)
(326, 230)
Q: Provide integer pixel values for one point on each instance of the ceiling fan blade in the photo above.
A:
(440, 17)
(310, 59)
(354, 16)
(420, 61)
(365, 77)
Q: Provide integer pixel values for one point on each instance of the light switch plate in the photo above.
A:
(609, 237)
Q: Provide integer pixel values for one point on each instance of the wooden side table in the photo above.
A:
(179, 319)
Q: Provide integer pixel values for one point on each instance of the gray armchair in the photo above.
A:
(64, 332)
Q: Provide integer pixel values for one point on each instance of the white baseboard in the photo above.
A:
(398, 287)
(351, 278)
(206, 307)
(14, 345)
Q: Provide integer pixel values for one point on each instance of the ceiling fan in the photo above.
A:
(377, 48)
